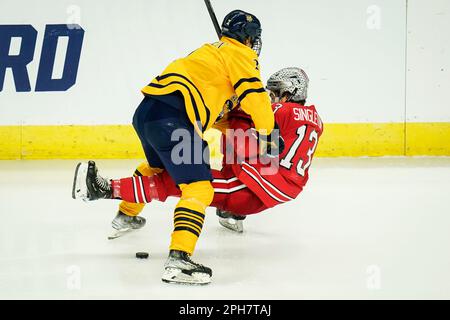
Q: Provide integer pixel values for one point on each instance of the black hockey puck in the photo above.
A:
(142, 255)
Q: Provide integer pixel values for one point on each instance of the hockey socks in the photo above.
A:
(134, 209)
(189, 215)
(138, 189)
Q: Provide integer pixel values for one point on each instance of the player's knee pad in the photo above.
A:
(201, 192)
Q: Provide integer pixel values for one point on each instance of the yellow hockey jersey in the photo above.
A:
(210, 76)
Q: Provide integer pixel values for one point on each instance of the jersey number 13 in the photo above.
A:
(287, 161)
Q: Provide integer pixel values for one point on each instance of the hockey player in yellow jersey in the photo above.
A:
(193, 94)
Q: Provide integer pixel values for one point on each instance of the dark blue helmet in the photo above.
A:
(241, 25)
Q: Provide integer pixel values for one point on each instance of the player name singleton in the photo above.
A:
(303, 114)
(231, 309)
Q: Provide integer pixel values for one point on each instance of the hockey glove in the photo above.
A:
(271, 145)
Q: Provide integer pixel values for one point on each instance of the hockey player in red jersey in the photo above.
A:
(300, 127)
(251, 180)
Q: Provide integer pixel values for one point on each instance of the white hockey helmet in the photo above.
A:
(292, 81)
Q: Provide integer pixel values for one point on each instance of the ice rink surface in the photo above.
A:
(373, 228)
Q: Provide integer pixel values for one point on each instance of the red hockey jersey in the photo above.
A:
(284, 177)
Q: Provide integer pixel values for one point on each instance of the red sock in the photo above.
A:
(139, 189)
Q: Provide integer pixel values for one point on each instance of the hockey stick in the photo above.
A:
(213, 18)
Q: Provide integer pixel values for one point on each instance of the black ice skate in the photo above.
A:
(88, 185)
(124, 224)
(179, 268)
(231, 221)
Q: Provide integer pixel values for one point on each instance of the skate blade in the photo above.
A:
(176, 276)
(119, 233)
(79, 188)
(235, 226)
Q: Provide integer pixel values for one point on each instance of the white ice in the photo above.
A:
(374, 228)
